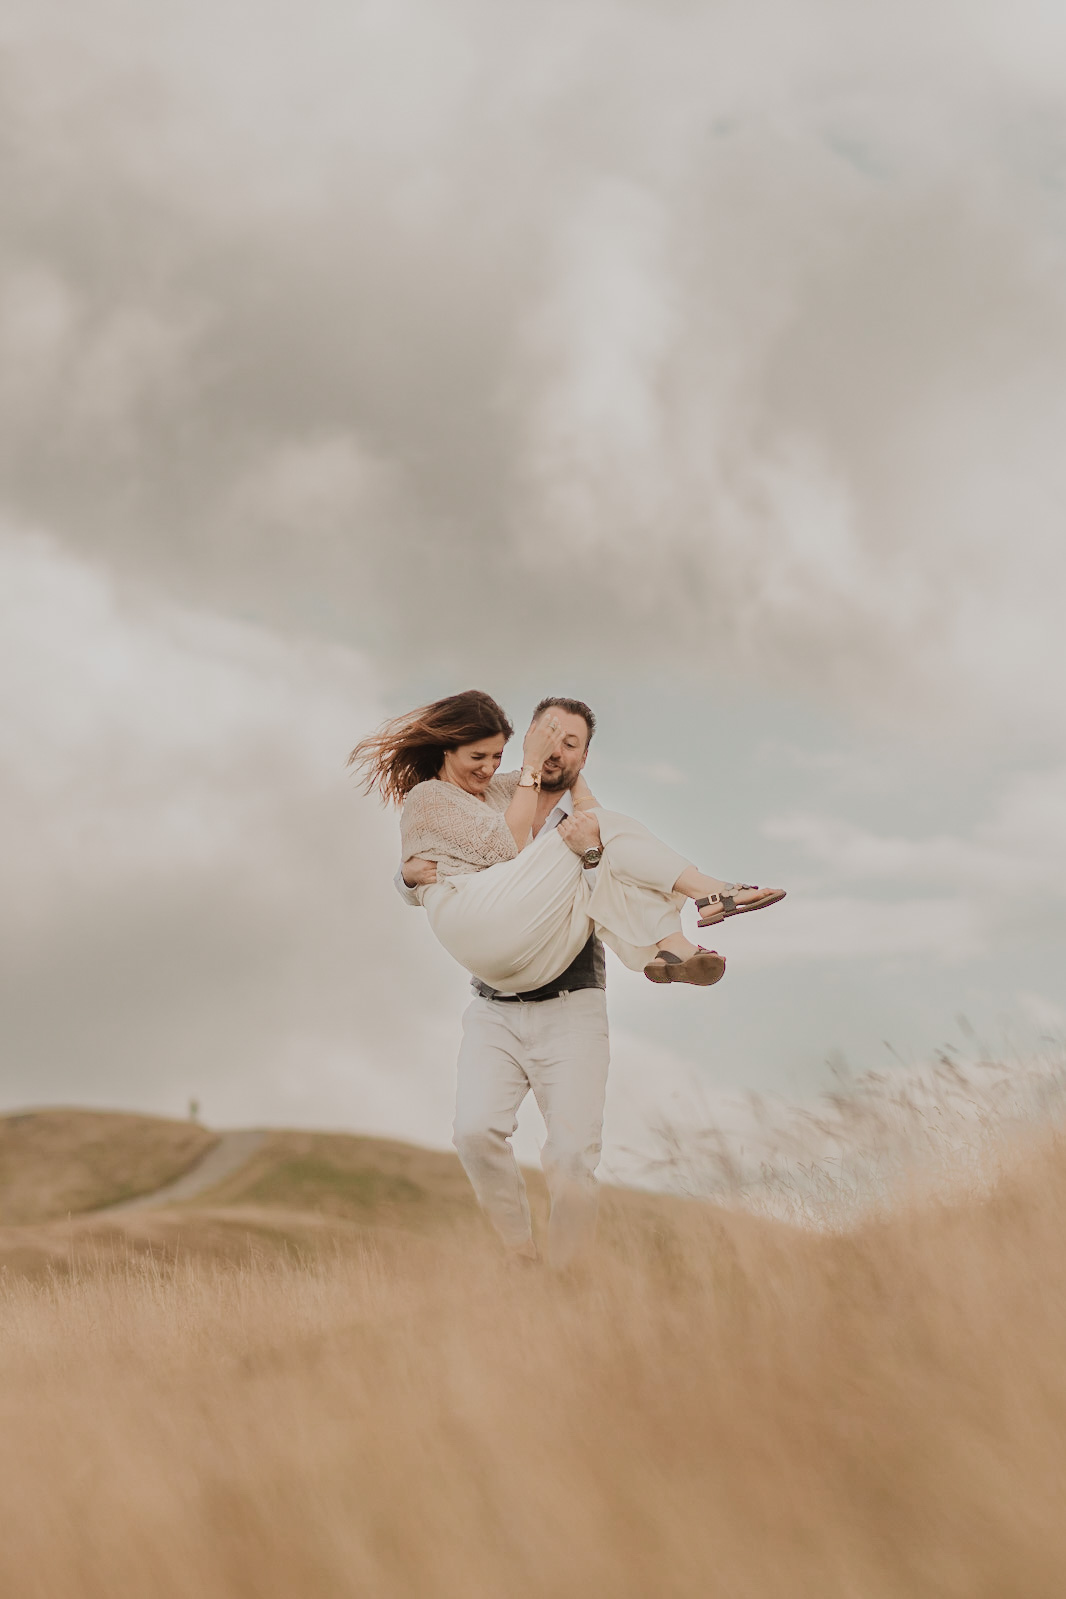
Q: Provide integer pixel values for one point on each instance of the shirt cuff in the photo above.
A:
(408, 895)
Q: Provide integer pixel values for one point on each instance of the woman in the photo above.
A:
(516, 917)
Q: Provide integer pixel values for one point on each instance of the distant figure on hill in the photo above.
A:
(522, 874)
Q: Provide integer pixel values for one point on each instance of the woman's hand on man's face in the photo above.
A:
(543, 739)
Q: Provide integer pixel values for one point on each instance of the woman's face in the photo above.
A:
(473, 766)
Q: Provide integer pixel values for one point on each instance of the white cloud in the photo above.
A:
(752, 319)
(954, 896)
(846, 927)
(196, 900)
(87, 376)
(719, 347)
(1041, 1011)
(1018, 850)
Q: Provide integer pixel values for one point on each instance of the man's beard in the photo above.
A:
(559, 779)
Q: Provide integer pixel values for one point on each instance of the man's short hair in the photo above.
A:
(573, 708)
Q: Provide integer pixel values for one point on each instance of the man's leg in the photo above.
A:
(567, 1064)
(492, 1085)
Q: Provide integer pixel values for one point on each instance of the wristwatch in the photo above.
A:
(592, 857)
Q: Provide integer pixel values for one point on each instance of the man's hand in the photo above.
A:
(418, 872)
(579, 833)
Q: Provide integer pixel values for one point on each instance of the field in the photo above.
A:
(321, 1380)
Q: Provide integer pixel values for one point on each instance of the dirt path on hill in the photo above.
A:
(228, 1155)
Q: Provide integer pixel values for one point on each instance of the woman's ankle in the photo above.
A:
(697, 885)
(677, 944)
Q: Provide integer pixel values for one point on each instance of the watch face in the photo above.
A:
(592, 857)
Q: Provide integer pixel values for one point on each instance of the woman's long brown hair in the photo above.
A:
(410, 748)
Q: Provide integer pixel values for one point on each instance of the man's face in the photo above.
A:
(560, 771)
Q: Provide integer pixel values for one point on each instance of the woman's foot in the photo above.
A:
(733, 899)
(702, 968)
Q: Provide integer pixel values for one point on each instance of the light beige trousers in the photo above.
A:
(519, 924)
(558, 1049)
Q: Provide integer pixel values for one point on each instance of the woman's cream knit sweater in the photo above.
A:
(460, 832)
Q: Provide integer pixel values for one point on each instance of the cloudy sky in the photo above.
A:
(701, 360)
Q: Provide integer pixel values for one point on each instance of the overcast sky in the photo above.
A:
(702, 360)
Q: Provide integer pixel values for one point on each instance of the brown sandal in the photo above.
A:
(718, 906)
(702, 969)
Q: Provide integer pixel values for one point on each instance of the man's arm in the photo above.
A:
(408, 895)
(414, 874)
(580, 832)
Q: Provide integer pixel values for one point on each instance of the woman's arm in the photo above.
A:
(542, 740)
(584, 798)
(422, 821)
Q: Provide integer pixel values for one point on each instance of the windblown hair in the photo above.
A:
(573, 708)
(409, 749)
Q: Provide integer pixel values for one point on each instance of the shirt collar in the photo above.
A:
(565, 804)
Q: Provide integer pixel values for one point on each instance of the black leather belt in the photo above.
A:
(525, 999)
(534, 997)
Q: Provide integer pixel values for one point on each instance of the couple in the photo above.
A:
(521, 875)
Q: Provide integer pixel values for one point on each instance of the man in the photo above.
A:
(552, 1041)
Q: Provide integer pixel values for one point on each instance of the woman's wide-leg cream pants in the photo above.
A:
(519, 924)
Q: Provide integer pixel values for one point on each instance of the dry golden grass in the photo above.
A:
(721, 1406)
(57, 1161)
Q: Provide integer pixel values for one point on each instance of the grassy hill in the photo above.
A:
(350, 1178)
(57, 1162)
(301, 1194)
